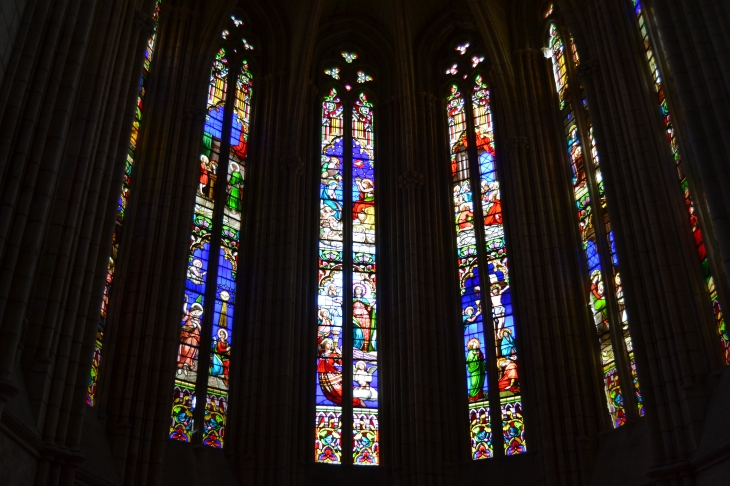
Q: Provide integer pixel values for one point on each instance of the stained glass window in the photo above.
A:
(490, 347)
(461, 49)
(209, 301)
(363, 78)
(693, 215)
(347, 382)
(91, 392)
(603, 281)
(349, 56)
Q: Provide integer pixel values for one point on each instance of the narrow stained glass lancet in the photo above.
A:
(498, 274)
(185, 399)
(595, 232)
(216, 406)
(693, 215)
(91, 393)
(210, 292)
(365, 428)
(330, 299)
(469, 284)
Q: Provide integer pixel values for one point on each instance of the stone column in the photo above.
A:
(144, 314)
(25, 198)
(272, 328)
(61, 102)
(101, 207)
(272, 377)
(549, 284)
(414, 274)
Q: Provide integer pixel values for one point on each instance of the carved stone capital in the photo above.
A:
(410, 179)
(291, 164)
(144, 24)
(587, 70)
(515, 144)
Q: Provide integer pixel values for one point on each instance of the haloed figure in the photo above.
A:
(477, 368)
(235, 188)
(324, 325)
(189, 337)
(196, 273)
(362, 378)
(507, 344)
(490, 194)
(509, 380)
(207, 168)
(598, 300)
(328, 371)
(221, 356)
(363, 209)
(361, 318)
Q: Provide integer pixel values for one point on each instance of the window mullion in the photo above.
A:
(347, 269)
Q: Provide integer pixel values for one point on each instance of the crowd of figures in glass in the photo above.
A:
(337, 266)
(209, 308)
(692, 214)
(606, 299)
(480, 243)
(91, 392)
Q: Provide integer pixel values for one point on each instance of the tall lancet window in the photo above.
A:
(91, 392)
(347, 382)
(490, 343)
(693, 214)
(209, 302)
(601, 264)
